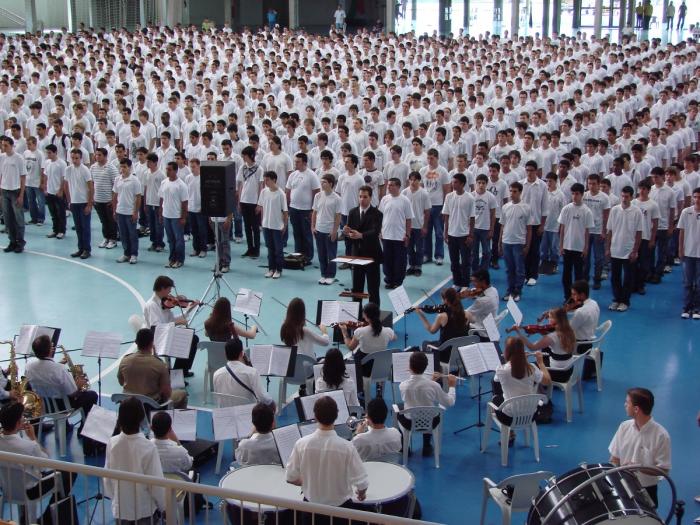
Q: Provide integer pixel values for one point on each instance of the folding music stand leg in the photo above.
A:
(479, 423)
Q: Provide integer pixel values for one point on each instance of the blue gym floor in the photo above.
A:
(650, 346)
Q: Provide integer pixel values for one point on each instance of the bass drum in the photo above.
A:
(611, 499)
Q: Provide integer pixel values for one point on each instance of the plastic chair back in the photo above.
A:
(422, 417)
(216, 354)
(381, 369)
(229, 400)
(303, 368)
(148, 403)
(522, 408)
(525, 488)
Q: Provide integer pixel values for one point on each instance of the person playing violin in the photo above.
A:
(485, 302)
(158, 310)
(451, 323)
(220, 326)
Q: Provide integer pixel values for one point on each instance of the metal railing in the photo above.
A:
(16, 469)
(12, 16)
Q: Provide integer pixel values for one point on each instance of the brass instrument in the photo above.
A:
(76, 370)
(33, 406)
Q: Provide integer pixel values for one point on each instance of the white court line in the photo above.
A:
(133, 291)
(425, 297)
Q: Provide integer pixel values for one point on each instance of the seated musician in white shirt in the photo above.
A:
(485, 300)
(373, 440)
(260, 447)
(584, 319)
(420, 391)
(237, 378)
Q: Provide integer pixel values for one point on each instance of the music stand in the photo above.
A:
(354, 261)
(249, 307)
(402, 305)
(99, 345)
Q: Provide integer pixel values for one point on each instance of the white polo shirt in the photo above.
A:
(535, 196)
(127, 189)
(624, 225)
(396, 211)
(649, 446)
(77, 179)
(665, 197)
(650, 212)
(173, 193)
(152, 186)
(576, 220)
(377, 442)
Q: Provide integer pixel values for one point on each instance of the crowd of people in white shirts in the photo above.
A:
(537, 150)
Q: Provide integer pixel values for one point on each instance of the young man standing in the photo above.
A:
(396, 227)
(80, 193)
(459, 213)
(173, 214)
(13, 177)
(549, 248)
(666, 199)
(151, 188)
(54, 171)
(689, 253)
(650, 225)
(126, 201)
(103, 176)
(535, 196)
(248, 190)
(514, 244)
(302, 186)
(420, 204)
(272, 204)
(575, 221)
(485, 209)
(436, 182)
(599, 204)
(325, 222)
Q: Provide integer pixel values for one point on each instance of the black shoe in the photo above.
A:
(427, 450)
(410, 271)
(188, 373)
(19, 248)
(85, 254)
(418, 272)
(10, 248)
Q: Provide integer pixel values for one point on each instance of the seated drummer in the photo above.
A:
(373, 440)
(259, 448)
(326, 466)
(420, 391)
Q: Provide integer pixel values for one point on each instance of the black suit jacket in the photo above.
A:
(370, 227)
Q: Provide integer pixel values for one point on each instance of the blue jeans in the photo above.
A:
(224, 247)
(549, 248)
(460, 260)
(327, 250)
(273, 241)
(415, 249)
(128, 234)
(200, 228)
(301, 224)
(691, 283)
(515, 267)
(82, 225)
(237, 223)
(596, 249)
(435, 224)
(13, 214)
(394, 261)
(37, 204)
(176, 240)
(659, 259)
(481, 238)
(155, 226)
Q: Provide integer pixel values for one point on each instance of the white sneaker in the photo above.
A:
(696, 316)
(224, 269)
(277, 275)
(60, 235)
(667, 269)
(238, 240)
(322, 280)
(187, 237)
(439, 261)
(103, 244)
(685, 314)
(531, 282)
(133, 259)
(269, 273)
(613, 307)
(202, 255)
(622, 307)
(330, 280)
(111, 244)
(123, 259)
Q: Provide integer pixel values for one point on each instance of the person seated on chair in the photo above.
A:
(335, 377)
(517, 377)
(145, 374)
(370, 339)
(584, 319)
(131, 451)
(173, 456)
(260, 447)
(156, 312)
(294, 331)
(420, 391)
(326, 466)
(12, 422)
(373, 440)
(557, 347)
(451, 323)
(239, 379)
(220, 326)
(485, 302)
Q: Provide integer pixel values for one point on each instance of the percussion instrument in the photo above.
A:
(615, 497)
(266, 480)
(390, 489)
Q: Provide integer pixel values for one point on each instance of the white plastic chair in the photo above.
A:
(575, 381)
(13, 485)
(421, 423)
(455, 362)
(216, 358)
(148, 405)
(180, 495)
(525, 488)
(595, 354)
(303, 374)
(228, 400)
(381, 373)
(57, 410)
(522, 409)
(498, 319)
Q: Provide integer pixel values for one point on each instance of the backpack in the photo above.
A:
(294, 261)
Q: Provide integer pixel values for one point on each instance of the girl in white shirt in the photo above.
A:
(335, 377)
(293, 331)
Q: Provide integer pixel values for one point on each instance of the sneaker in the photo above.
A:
(270, 273)
(39, 223)
(516, 298)
(187, 237)
(622, 307)
(676, 261)
(202, 255)
(224, 269)
(238, 240)
(531, 282)
(103, 244)
(194, 254)
(246, 253)
(685, 314)
(123, 259)
(330, 280)
(344, 266)
(177, 264)
(410, 271)
(111, 244)
(439, 261)
(278, 274)
(613, 306)
(170, 264)
(31, 222)
(254, 255)
(19, 248)
(76, 254)
(60, 235)
(667, 269)
(11, 248)
(506, 297)
(133, 259)
(418, 272)
(51, 235)
(322, 280)
(85, 254)
(696, 314)
(151, 248)
(160, 249)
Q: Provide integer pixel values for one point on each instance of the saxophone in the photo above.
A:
(76, 370)
(33, 406)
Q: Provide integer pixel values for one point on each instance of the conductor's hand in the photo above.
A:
(452, 380)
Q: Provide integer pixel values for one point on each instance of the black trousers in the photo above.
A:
(57, 209)
(532, 259)
(494, 242)
(370, 272)
(106, 216)
(85, 400)
(573, 264)
(251, 225)
(46, 486)
(621, 287)
(186, 364)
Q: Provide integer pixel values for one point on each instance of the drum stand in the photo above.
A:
(479, 423)
(679, 510)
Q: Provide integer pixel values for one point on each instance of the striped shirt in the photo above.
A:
(103, 179)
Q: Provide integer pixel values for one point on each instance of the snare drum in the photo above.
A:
(611, 499)
(390, 489)
(266, 480)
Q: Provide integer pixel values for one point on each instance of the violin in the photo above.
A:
(174, 301)
(434, 308)
(542, 329)
(352, 325)
(569, 306)
(471, 293)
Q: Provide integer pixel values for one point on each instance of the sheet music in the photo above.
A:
(306, 430)
(349, 371)
(248, 302)
(102, 344)
(180, 342)
(161, 337)
(100, 424)
(260, 357)
(185, 424)
(479, 358)
(491, 328)
(177, 379)
(352, 260)
(27, 334)
(339, 312)
(279, 360)
(399, 299)
(338, 396)
(285, 438)
(232, 422)
(490, 354)
(515, 311)
(401, 369)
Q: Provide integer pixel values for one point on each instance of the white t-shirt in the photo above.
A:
(326, 208)
(576, 221)
(54, 170)
(194, 195)
(248, 187)
(597, 203)
(689, 222)
(624, 225)
(152, 187)
(12, 168)
(513, 387)
(555, 203)
(127, 189)
(396, 210)
(460, 209)
(33, 161)
(515, 219)
(77, 179)
(483, 204)
(666, 199)
(433, 181)
(273, 204)
(420, 203)
(499, 190)
(650, 211)
(349, 189)
(173, 193)
(281, 164)
(370, 344)
(302, 185)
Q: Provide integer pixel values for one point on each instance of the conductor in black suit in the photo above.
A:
(363, 229)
